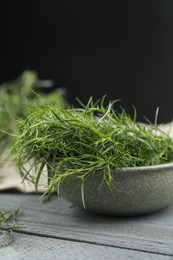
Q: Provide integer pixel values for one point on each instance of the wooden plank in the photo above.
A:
(58, 219)
(26, 247)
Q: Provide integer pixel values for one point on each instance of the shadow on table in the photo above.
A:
(87, 216)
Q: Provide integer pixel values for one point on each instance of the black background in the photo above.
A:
(119, 48)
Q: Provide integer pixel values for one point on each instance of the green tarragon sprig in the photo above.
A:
(76, 143)
(8, 224)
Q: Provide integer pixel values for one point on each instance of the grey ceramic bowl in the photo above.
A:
(138, 191)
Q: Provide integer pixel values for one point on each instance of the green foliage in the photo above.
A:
(8, 224)
(5, 217)
(17, 97)
(76, 143)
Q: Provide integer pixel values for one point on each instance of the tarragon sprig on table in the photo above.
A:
(8, 224)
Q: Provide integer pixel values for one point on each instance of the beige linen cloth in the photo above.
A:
(12, 179)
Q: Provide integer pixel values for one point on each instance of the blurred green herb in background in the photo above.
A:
(20, 95)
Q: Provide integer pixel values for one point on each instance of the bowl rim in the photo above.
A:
(146, 168)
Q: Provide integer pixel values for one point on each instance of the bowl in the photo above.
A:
(137, 191)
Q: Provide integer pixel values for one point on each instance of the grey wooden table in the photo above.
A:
(57, 230)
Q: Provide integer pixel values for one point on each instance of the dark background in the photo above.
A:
(120, 48)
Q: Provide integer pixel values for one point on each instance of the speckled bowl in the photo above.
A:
(138, 191)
